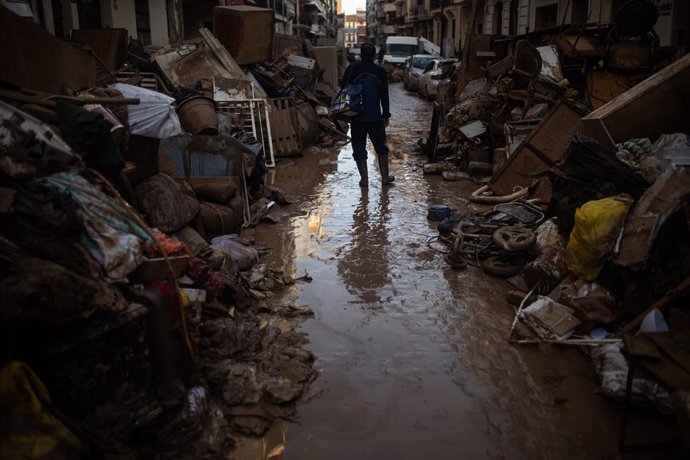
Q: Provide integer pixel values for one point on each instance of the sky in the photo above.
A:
(350, 6)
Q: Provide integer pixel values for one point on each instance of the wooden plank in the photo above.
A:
(222, 54)
(34, 59)
(540, 150)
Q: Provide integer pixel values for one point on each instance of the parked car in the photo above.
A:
(413, 69)
(435, 71)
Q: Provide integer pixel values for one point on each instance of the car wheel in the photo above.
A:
(514, 238)
(502, 265)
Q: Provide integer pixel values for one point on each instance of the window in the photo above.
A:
(546, 16)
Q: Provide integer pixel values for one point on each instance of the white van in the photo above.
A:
(399, 49)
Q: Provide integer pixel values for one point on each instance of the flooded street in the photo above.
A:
(413, 356)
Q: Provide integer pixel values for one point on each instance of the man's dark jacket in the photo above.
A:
(375, 83)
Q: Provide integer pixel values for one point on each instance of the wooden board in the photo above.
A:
(283, 132)
(660, 104)
(109, 44)
(34, 59)
(540, 151)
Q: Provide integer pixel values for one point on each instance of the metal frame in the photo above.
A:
(258, 115)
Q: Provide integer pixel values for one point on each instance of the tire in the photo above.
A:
(514, 238)
(503, 266)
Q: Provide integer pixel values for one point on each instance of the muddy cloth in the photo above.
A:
(89, 133)
(206, 278)
(612, 369)
(171, 245)
(31, 429)
(109, 234)
(33, 289)
(166, 206)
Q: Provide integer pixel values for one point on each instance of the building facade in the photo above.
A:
(445, 22)
(159, 22)
(355, 28)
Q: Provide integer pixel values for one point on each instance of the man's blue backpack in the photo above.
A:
(349, 101)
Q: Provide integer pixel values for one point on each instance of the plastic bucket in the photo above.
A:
(198, 115)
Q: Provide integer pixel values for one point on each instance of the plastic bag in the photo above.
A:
(238, 249)
(597, 225)
(155, 114)
(31, 428)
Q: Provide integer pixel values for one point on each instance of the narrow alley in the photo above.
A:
(192, 265)
(413, 356)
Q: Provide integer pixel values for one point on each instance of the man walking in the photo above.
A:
(374, 120)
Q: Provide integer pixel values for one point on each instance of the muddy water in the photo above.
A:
(412, 355)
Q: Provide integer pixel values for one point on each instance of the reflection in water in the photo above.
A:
(270, 446)
(365, 265)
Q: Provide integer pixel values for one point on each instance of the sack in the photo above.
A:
(349, 101)
(166, 206)
(238, 249)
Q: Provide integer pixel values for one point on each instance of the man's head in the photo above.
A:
(367, 52)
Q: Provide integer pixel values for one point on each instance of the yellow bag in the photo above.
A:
(31, 430)
(597, 225)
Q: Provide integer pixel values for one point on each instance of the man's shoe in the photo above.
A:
(386, 179)
(363, 173)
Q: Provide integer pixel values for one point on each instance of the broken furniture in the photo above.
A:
(660, 104)
(540, 150)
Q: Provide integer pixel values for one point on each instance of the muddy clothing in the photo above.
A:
(376, 108)
(375, 83)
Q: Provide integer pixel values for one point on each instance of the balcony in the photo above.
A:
(390, 30)
(389, 8)
(436, 5)
(315, 5)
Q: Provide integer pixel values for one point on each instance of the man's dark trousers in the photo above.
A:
(376, 132)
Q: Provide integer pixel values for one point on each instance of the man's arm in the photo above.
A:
(385, 101)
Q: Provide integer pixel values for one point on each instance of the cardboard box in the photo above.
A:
(246, 32)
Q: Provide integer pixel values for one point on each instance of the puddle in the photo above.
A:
(412, 355)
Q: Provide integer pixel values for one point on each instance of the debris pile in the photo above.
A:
(137, 319)
(587, 204)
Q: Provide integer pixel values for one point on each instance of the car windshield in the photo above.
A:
(399, 49)
(430, 66)
(421, 62)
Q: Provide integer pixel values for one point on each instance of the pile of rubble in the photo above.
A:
(586, 210)
(137, 321)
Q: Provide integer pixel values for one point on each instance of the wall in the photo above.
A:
(158, 15)
(119, 14)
